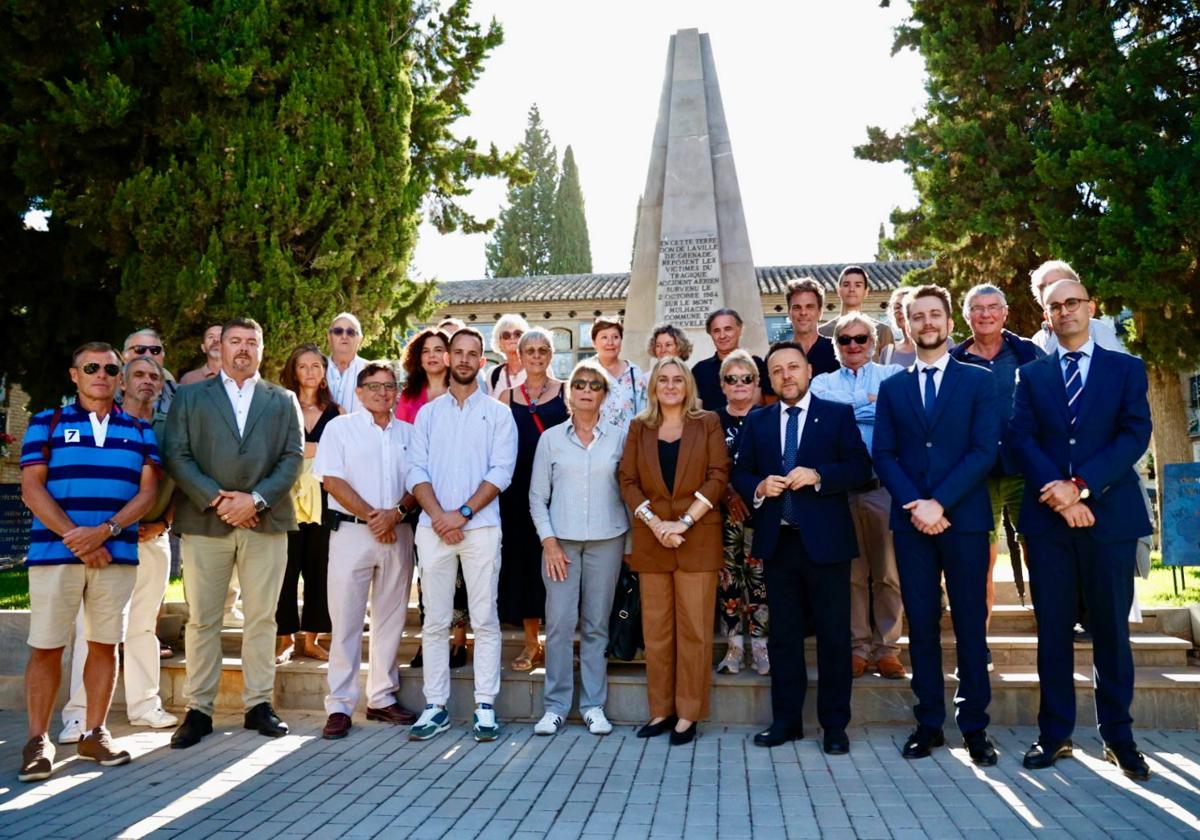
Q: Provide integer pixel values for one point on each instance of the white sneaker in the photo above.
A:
(596, 722)
(548, 725)
(72, 731)
(732, 663)
(157, 719)
(762, 662)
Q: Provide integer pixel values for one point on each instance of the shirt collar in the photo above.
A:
(370, 421)
(846, 372)
(1087, 349)
(226, 379)
(802, 404)
(919, 366)
(598, 431)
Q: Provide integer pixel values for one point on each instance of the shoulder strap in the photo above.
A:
(495, 378)
(54, 418)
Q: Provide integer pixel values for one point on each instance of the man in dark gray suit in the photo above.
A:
(234, 445)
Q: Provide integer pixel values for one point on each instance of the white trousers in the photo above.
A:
(360, 565)
(479, 553)
(141, 661)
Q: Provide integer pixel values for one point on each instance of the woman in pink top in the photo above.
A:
(427, 374)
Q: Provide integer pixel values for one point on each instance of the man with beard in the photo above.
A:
(235, 447)
(806, 302)
(210, 346)
(937, 430)
(464, 450)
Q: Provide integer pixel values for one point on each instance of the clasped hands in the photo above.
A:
(928, 516)
(796, 479)
(235, 508)
(87, 543)
(448, 526)
(1063, 498)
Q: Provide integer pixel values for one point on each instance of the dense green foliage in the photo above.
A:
(206, 159)
(570, 249)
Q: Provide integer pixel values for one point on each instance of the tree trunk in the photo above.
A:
(1170, 443)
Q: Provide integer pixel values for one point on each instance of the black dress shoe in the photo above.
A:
(263, 719)
(921, 741)
(1045, 752)
(653, 730)
(1127, 756)
(678, 739)
(194, 727)
(836, 742)
(981, 748)
(776, 734)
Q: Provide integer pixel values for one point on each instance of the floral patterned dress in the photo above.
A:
(741, 588)
(626, 396)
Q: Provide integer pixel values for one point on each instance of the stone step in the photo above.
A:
(1165, 698)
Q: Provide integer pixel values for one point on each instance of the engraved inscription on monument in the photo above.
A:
(689, 280)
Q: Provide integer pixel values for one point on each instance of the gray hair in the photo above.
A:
(144, 360)
(534, 334)
(1037, 277)
(143, 331)
(509, 320)
(847, 320)
(978, 291)
(736, 358)
(349, 316)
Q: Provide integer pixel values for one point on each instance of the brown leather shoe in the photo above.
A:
(394, 714)
(858, 666)
(336, 727)
(891, 668)
(37, 759)
(98, 746)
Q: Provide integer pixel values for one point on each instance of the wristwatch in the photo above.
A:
(1081, 486)
(401, 509)
(466, 512)
(260, 504)
(114, 528)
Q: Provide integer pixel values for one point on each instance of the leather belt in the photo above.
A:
(338, 516)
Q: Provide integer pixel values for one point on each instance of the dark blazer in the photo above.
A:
(703, 466)
(831, 444)
(204, 453)
(946, 457)
(1112, 432)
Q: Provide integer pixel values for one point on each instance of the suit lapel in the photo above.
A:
(809, 441)
(221, 399)
(950, 380)
(649, 444)
(689, 446)
(913, 389)
(1091, 388)
(258, 404)
(774, 444)
(1058, 388)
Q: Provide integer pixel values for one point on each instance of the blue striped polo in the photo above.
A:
(90, 483)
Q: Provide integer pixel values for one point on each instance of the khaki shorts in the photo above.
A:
(56, 591)
(1005, 492)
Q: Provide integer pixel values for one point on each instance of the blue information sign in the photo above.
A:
(15, 520)
(1181, 515)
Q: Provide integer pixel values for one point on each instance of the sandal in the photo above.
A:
(524, 662)
(539, 657)
(313, 649)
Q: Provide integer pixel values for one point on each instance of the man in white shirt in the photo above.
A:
(463, 453)
(345, 337)
(1043, 277)
(362, 462)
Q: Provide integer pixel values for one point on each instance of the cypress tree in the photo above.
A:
(570, 249)
(521, 243)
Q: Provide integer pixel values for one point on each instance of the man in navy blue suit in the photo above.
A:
(937, 432)
(1080, 422)
(796, 460)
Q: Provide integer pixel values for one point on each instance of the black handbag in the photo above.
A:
(625, 622)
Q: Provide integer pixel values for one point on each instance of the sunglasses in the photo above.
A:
(91, 367)
(143, 349)
(509, 335)
(845, 340)
(736, 379)
(340, 331)
(589, 384)
(538, 351)
(374, 387)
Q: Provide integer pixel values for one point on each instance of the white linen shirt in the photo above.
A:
(374, 461)
(456, 448)
(240, 397)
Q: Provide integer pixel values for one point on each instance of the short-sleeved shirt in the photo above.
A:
(91, 483)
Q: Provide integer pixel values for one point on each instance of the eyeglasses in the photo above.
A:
(588, 384)
(91, 367)
(508, 335)
(341, 331)
(537, 351)
(375, 387)
(143, 349)
(735, 379)
(990, 309)
(844, 340)
(1069, 305)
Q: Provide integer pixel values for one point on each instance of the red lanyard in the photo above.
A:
(537, 421)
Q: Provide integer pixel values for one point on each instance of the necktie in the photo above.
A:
(1074, 383)
(930, 391)
(791, 450)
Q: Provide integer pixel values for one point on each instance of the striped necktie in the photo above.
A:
(1073, 383)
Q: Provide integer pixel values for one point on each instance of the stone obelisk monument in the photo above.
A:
(692, 252)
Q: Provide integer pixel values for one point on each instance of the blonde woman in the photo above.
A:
(674, 470)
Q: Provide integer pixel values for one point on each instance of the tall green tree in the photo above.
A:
(201, 160)
(521, 243)
(570, 248)
(1062, 130)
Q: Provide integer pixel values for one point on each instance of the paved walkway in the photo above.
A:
(377, 783)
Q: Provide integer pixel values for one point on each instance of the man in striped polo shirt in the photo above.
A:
(88, 473)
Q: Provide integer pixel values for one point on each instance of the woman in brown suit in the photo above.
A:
(673, 471)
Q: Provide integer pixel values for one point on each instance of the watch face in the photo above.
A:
(466, 511)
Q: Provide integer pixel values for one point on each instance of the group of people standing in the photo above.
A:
(818, 490)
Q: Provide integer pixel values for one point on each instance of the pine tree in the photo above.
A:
(521, 243)
(570, 249)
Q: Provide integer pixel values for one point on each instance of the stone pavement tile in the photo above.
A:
(498, 830)
(870, 828)
(562, 830)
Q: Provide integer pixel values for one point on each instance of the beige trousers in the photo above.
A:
(208, 563)
(874, 581)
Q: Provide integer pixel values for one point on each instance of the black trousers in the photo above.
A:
(308, 555)
(803, 594)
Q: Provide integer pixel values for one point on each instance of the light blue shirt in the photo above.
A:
(457, 448)
(855, 389)
(1085, 362)
(574, 493)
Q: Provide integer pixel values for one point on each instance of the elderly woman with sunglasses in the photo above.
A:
(506, 335)
(537, 404)
(576, 505)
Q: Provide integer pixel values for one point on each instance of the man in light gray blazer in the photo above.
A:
(235, 446)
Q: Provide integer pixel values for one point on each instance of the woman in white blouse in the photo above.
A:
(576, 506)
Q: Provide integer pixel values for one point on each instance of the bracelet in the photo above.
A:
(706, 502)
(687, 520)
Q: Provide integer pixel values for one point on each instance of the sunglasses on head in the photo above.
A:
(376, 386)
(508, 335)
(143, 349)
(738, 379)
(845, 340)
(340, 331)
(589, 384)
(91, 367)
